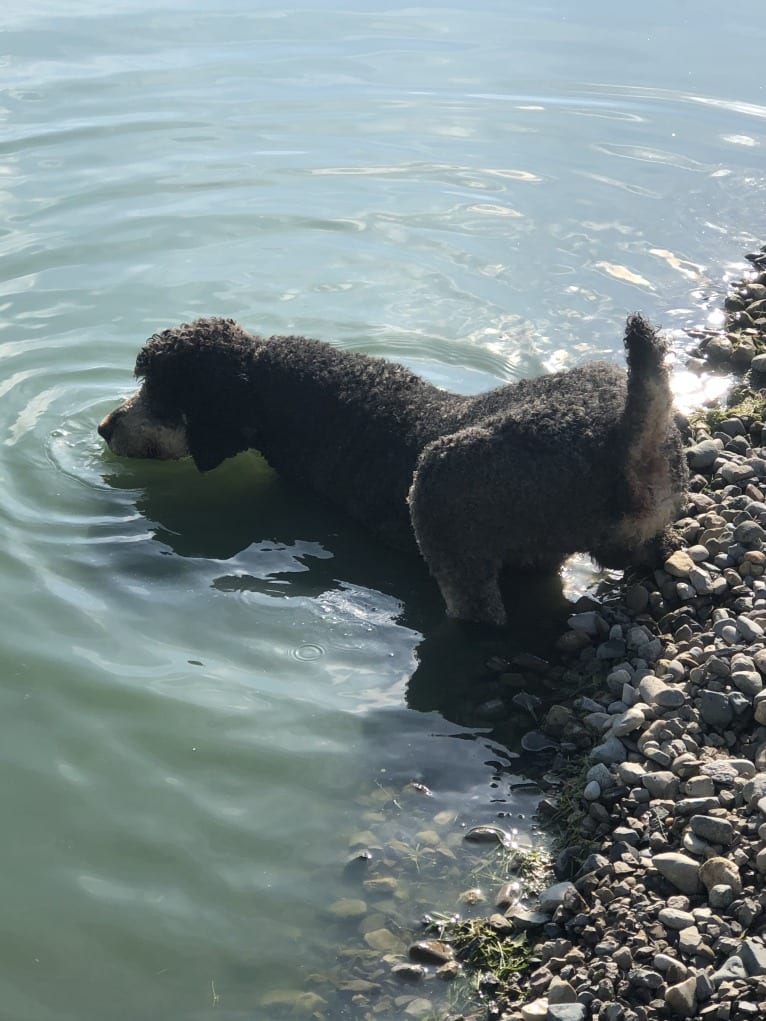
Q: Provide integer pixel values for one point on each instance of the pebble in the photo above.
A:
(680, 870)
(673, 918)
(561, 991)
(558, 894)
(703, 454)
(627, 722)
(679, 564)
(753, 954)
(715, 709)
(566, 1012)
(714, 830)
(682, 997)
(610, 751)
(431, 951)
(719, 870)
(537, 1010)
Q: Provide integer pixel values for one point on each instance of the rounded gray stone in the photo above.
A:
(670, 698)
(663, 784)
(628, 721)
(703, 454)
(750, 534)
(749, 682)
(680, 870)
(759, 707)
(715, 709)
(713, 829)
(750, 630)
(673, 918)
(720, 896)
(716, 871)
(610, 751)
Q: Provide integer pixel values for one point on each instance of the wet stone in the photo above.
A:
(501, 925)
(525, 918)
(560, 893)
(298, 1002)
(383, 940)
(418, 1007)
(488, 835)
(508, 895)
(431, 951)
(408, 972)
(348, 908)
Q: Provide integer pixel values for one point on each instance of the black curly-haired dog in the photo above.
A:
(522, 476)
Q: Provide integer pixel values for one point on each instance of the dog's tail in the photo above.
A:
(654, 469)
(649, 398)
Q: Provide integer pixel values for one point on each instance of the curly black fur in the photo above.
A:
(581, 461)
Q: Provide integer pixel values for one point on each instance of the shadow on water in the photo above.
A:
(298, 547)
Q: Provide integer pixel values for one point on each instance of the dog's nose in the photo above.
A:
(106, 427)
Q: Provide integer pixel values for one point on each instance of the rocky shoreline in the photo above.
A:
(741, 343)
(665, 915)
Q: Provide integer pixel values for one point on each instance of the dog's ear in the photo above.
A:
(159, 364)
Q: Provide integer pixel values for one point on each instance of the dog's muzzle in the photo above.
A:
(106, 427)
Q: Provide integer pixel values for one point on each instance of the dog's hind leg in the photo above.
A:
(447, 516)
(469, 586)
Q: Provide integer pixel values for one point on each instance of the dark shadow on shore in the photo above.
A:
(304, 548)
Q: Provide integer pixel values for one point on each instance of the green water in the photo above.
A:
(206, 679)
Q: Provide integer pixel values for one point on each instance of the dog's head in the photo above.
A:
(193, 398)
